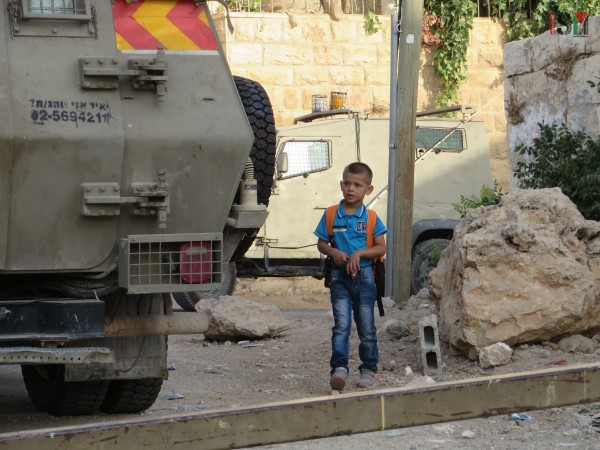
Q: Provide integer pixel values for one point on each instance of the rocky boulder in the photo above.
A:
(526, 270)
(233, 317)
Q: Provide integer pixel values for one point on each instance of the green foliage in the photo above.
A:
(430, 259)
(522, 23)
(372, 24)
(488, 196)
(565, 159)
(244, 5)
(450, 57)
(456, 21)
(433, 258)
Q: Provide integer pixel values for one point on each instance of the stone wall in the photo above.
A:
(546, 81)
(297, 56)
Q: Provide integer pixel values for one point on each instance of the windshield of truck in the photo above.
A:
(448, 139)
(305, 157)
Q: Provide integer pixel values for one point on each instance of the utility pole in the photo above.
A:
(411, 18)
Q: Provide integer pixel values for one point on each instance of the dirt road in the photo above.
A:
(208, 375)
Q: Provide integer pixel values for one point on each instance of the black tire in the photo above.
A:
(49, 392)
(188, 300)
(424, 259)
(260, 115)
(136, 394)
(131, 396)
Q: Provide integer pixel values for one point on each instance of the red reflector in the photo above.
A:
(196, 262)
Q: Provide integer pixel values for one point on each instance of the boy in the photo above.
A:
(352, 282)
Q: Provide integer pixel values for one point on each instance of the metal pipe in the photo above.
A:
(389, 260)
(178, 323)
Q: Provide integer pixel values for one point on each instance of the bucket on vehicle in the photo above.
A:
(338, 100)
(319, 103)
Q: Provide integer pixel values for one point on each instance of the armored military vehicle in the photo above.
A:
(452, 159)
(132, 165)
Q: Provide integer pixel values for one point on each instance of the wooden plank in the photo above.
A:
(329, 416)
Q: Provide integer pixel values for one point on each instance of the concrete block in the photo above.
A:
(430, 345)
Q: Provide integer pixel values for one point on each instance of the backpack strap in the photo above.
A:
(371, 221)
(329, 218)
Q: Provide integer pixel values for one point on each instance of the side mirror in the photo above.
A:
(282, 164)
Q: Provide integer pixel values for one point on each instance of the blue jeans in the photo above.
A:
(353, 295)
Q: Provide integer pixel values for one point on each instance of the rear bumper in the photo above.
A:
(51, 319)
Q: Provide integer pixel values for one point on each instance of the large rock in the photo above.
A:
(232, 317)
(526, 270)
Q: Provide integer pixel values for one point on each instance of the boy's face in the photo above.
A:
(355, 187)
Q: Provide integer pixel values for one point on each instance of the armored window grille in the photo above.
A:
(305, 157)
(171, 263)
(56, 9)
(445, 139)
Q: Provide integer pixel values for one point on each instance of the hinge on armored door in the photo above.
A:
(152, 73)
(146, 73)
(149, 199)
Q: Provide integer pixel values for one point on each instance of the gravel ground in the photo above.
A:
(209, 375)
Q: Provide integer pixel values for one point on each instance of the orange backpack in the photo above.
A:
(371, 221)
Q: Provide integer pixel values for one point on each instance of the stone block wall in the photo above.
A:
(546, 81)
(295, 57)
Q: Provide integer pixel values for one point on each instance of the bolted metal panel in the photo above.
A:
(331, 416)
(80, 113)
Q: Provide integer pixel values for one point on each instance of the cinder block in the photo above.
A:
(430, 345)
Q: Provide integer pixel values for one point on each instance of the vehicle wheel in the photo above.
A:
(425, 258)
(147, 355)
(260, 115)
(188, 300)
(131, 396)
(49, 392)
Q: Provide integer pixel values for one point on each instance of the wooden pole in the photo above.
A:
(406, 108)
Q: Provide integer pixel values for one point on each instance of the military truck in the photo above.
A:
(452, 159)
(133, 164)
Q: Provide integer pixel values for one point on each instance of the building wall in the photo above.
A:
(546, 81)
(297, 56)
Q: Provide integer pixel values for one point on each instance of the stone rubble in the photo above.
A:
(495, 355)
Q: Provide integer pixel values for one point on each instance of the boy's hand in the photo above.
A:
(353, 266)
(339, 258)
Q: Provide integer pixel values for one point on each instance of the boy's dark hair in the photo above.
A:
(359, 168)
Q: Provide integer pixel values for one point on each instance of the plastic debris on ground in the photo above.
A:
(520, 416)
(174, 396)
